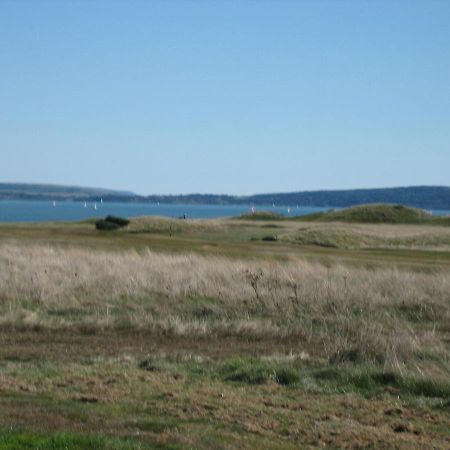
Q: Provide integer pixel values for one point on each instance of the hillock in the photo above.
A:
(378, 213)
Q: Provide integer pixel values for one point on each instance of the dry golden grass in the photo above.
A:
(60, 277)
(350, 313)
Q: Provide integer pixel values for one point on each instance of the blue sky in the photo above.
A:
(225, 96)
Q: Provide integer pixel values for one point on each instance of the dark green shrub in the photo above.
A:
(270, 238)
(150, 364)
(287, 376)
(246, 370)
(255, 371)
(120, 221)
(105, 225)
(111, 223)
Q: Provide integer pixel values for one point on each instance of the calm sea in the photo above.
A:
(41, 211)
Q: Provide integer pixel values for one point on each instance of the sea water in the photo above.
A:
(48, 211)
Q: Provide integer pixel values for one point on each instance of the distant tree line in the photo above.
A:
(427, 197)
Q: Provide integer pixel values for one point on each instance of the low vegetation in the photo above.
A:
(202, 334)
(111, 223)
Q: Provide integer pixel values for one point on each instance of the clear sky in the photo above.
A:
(225, 96)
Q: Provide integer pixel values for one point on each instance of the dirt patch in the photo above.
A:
(60, 345)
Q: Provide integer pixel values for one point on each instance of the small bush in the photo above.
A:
(287, 376)
(111, 223)
(105, 225)
(150, 364)
(120, 221)
(254, 371)
(246, 370)
(270, 238)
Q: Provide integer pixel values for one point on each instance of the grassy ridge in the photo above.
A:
(372, 213)
(390, 214)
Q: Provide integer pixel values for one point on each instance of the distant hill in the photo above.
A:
(25, 191)
(427, 197)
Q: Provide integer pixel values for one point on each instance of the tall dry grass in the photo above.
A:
(354, 313)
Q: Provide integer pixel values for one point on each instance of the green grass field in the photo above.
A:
(231, 333)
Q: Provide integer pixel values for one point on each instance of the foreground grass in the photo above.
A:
(237, 343)
(184, 400)
(15, 440)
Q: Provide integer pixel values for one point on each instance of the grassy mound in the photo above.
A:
(394, 214)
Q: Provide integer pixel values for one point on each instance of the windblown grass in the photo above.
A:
(344, 313)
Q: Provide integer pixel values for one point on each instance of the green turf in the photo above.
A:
(17, 440)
